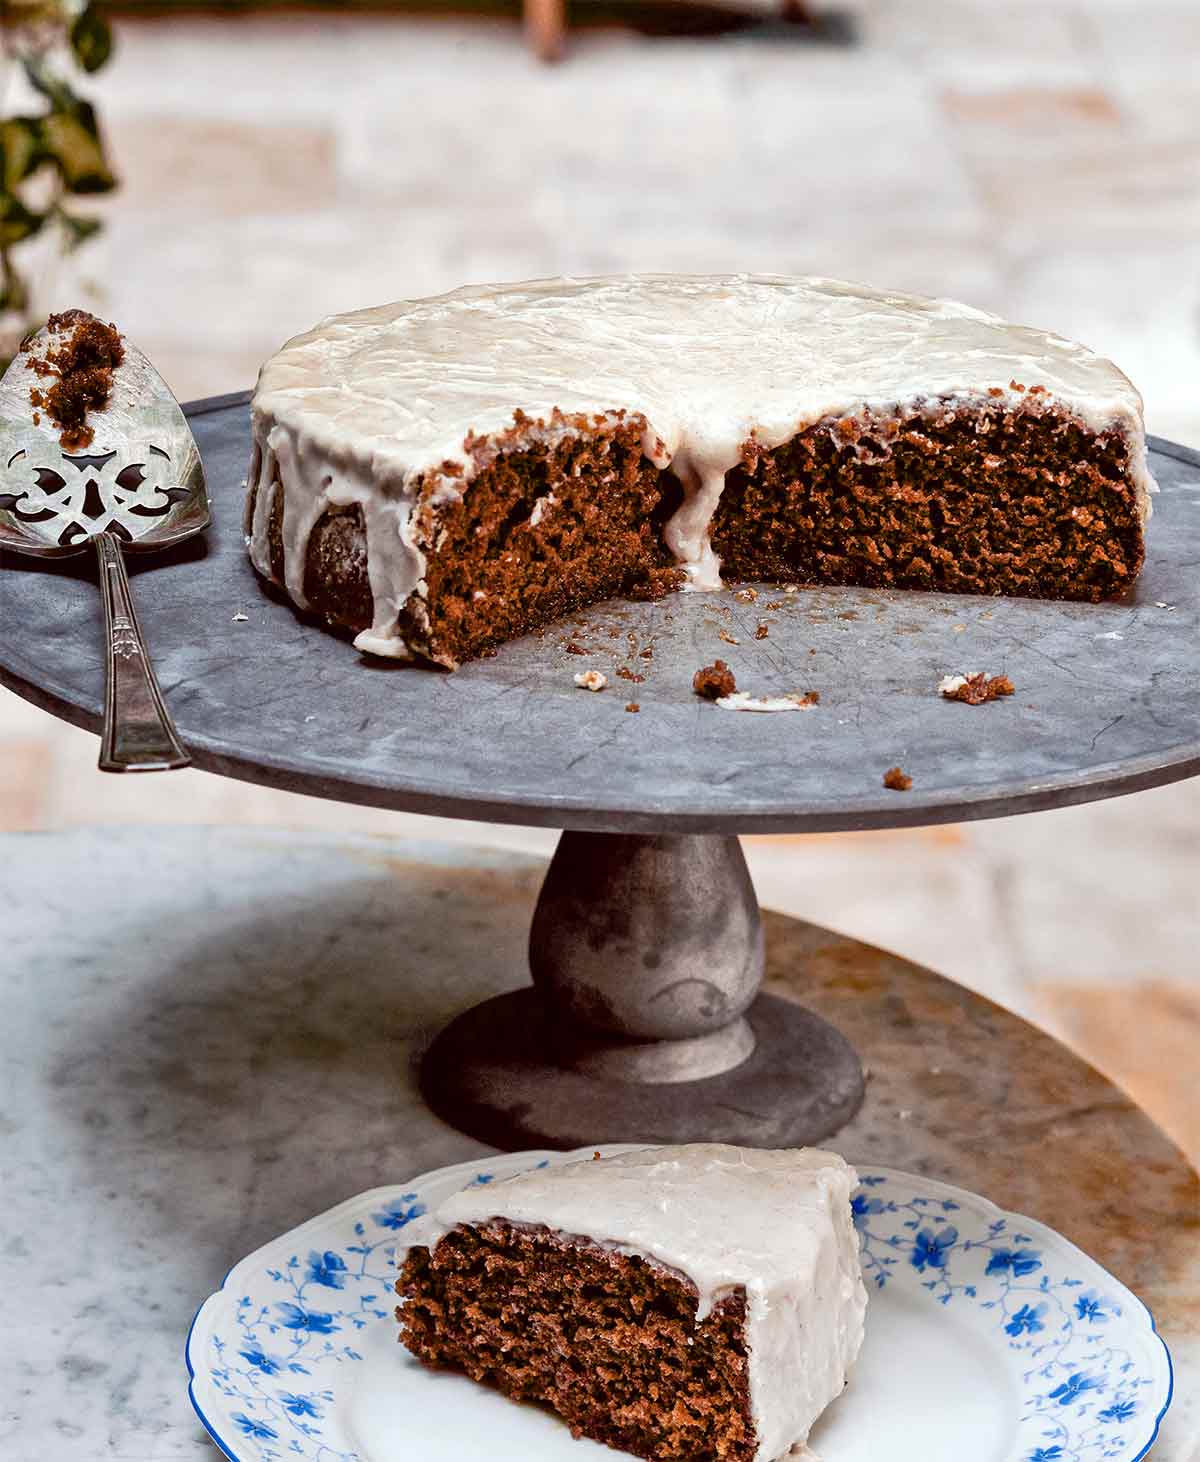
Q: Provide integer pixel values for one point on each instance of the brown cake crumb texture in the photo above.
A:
(973, 500)
(713, 681)
(978, 499)
(493, 573)
(976, 689)
(609, 1342)
(82, 367)
(896, 781)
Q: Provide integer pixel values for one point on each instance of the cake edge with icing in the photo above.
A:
(316, 468)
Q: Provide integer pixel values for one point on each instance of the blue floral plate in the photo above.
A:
(990, 1338)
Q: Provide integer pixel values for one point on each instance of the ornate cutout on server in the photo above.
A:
(67, 498)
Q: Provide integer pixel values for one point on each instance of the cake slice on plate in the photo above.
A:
(673, 1302)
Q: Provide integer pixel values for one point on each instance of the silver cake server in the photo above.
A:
(136, 487)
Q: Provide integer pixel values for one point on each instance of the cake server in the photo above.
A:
(137, 487)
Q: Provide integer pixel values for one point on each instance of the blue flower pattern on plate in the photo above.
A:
(931, 1248)
(1027, 1319)
(275, 1355)
(1078, 1392)
(1118, 1411)
(297, 1338)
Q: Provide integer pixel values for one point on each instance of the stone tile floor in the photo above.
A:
(1039, 159)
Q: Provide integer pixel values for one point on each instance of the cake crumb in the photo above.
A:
(727, 637)
(791, 588)
(776, 603)
(626, 674)
(633, 706)
(763, 630)
(575, 648)
(713, 681)
(647, 653)
(83, 366)
(974, 688)
(591, 680)
(746, 595)
(896, 781)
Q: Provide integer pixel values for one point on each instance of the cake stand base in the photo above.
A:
(489, 1074)
(645, 1021)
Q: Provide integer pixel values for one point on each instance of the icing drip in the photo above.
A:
(310, 486)
(396, 567)
(302, 506)
(686, 531)
(405, 404)
(776, 1224)
(264, 485)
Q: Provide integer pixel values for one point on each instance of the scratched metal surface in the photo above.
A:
(1108, 696)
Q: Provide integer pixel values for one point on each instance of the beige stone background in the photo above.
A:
(1035, 158)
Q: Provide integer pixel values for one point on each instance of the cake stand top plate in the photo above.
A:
(1107, 696)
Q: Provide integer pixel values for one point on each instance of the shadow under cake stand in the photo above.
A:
(645, 1020)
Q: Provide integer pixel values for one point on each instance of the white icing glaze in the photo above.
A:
(777, 1224)
(742, 700)
(376, 406)
(950, 683)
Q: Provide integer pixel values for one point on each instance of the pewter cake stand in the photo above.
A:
(645, 1019)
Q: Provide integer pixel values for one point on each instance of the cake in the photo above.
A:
(672, 1302)
(438, 476)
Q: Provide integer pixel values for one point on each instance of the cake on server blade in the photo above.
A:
(441, 475)
(674, 1302)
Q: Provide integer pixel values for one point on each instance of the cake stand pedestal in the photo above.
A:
(644, 1021)
(644, 1015)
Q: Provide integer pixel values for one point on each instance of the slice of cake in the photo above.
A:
(442, 475)
(683, 1302)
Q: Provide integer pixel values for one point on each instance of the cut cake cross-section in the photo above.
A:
(672, 1302)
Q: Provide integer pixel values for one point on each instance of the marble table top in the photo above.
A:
(210, 1035)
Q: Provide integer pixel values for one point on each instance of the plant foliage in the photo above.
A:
(54, 155)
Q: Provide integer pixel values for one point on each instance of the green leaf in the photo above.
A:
(16, 221)
(57, 92)
(91, 39)
(21, 151)
(77, 228)
(72, 143)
